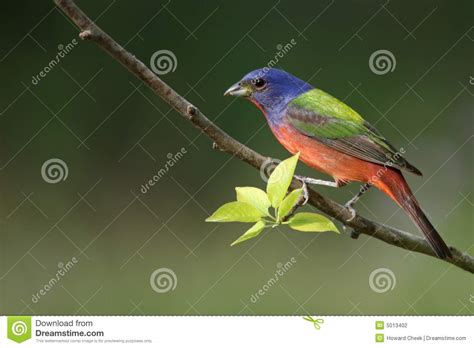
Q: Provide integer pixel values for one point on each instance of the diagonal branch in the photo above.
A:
(223, 141)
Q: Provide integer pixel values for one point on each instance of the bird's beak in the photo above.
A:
(238, 90)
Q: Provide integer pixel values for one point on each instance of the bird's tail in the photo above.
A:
(393, 184)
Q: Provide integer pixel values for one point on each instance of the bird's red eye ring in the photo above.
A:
(259, 83)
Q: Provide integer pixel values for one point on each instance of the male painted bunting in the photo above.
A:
(333, 138)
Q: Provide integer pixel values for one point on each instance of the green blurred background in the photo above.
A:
(114, 135)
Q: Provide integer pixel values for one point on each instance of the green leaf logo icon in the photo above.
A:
(19, 328)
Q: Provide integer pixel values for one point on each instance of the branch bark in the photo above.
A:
(224, 142)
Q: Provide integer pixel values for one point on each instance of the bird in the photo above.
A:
(334, 139)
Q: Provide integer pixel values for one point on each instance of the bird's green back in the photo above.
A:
(325, 104)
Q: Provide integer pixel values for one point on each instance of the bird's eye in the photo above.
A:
(260, 83)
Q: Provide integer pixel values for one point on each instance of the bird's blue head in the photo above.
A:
(270, 89)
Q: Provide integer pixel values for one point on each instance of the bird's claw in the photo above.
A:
(304, 186)
(351, 210)
(305, 194)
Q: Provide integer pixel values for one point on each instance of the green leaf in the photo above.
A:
(236, 211)
(288, 203)
(310, 222)
(280, 180)
(253, 196)
(252, 232)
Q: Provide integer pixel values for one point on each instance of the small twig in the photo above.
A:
(191, 111)
(223, 141)
(354, 234)
(85, 35)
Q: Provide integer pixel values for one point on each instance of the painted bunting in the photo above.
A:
(333, 138)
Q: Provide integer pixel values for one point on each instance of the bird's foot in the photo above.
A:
(351, 202)
(304, 186)
(305, 192)
(352, 211)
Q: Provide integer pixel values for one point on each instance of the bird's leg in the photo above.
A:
(305, 181)
(351, 202)
(312, 181)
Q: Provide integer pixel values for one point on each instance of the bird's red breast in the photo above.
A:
(343, 168)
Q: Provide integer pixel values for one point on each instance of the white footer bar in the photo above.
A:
(237, 331)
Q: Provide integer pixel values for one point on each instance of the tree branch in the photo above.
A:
(224, 142)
